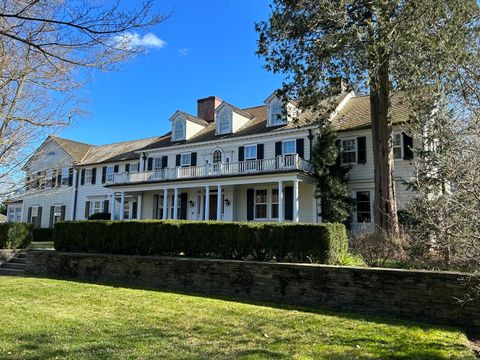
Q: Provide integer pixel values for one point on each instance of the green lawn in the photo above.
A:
(42, 319)
(43, 245)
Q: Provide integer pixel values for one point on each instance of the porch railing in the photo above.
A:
(278, 164)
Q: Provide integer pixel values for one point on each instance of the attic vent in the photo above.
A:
(51, 153)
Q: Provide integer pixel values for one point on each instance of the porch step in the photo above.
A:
(19, 260)
(11, 272)
(12, 265)
(16, 265)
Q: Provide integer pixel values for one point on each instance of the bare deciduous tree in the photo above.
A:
(47, 50)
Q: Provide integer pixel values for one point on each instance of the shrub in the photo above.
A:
(42, 234)
(15, 235)
(100, 216)
(323, 243)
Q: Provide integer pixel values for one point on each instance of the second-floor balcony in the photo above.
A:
(248, 167)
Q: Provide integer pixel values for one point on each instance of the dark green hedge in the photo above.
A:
(15, 235)
(323, 243)
(42, 234)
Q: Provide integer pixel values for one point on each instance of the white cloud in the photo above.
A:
(184, 51)
(130, 40)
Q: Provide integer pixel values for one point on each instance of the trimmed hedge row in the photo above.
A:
(42, 234)
(322, 243)
(15, 235)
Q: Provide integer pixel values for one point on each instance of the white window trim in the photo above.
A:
(228, 128)
(271, 114)
(134, 167)
(213, 156)
(356, 150)
(189, 157)
(370, 192)
(92, 207)
(174, 130)
(271, 203)
(88, 178)
(401, 145)
(109, 176)
(294, 143)
(267, 203)
(65, 176)
(256, 154)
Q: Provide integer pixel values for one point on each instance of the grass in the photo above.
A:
(41, 245)
(44, 318)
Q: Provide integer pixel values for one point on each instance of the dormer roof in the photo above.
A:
(239, 111)
(189, 117)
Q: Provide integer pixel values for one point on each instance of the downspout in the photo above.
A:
(310, 139)
(75, 195)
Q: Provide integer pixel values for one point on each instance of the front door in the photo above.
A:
(213, 207)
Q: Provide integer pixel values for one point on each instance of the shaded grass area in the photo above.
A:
(41, 245)
(44, 318)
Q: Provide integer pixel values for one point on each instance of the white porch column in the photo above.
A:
(74, 192)
(295, 201)
(24, 216)
(207, 202)
(280, 201)
(139, 206)
(8, 213)
(122, 205)
(175, 203)
(112, 211)
(165, 204)
(219, 202)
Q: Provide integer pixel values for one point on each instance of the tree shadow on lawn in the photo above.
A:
(430, 349)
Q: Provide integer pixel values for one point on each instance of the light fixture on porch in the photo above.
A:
(191, 203)
(227, 202)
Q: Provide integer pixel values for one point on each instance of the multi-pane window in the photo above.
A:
(261, 200)
(274, 205)
(96, 207)
(65, 176)
(397, 145)
(48, 178)
(134, 167)
(289, 147)
(57, 214)
(34, 217)
(186, 159)
(217, 157)
(251, 152)
(110, 173)
(277, 117)
(88, 176)
(364, 211)
(349, 151)
(224, 123)
(179, 130)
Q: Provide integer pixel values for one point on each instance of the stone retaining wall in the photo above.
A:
(419, 295)
(6, 255)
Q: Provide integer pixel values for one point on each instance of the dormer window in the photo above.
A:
(224, 122)
(277, 116)
(179, 130)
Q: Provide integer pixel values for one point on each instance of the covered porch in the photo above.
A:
(254, 198)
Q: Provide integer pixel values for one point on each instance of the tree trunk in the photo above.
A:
(385, 206)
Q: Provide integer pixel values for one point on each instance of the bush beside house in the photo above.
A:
(319, 243)
(15, 235)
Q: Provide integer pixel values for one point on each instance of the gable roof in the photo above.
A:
(189, 117)
(75, 149)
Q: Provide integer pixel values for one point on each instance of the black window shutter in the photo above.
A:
(193, 159)
(278, 148)
(362, 149)
(138, 166)
(39, 218)
(407, 147)
(164, 161)
(29, 216)
(115, 168)
(150, 164)
(54, 178)
(87, 209)
(104, 174)
(59, 177)
(127, 167)
(288, 202)
(301, 147)
(260, 151)
(177, 160)
(70, 177)
(241, 153)
(62, 215)
(94, 175)
(52, 215)
(105, 206)
(250, 204)
(82, 179)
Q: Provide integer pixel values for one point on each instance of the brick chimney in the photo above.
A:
(206, 108)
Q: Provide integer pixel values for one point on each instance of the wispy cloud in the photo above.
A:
(130, 40)
(184, 51)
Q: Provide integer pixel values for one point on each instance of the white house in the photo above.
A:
(225, 163)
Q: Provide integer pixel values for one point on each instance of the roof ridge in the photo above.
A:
(74, 141)
(126, 141)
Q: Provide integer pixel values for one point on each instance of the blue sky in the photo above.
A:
(210, 50)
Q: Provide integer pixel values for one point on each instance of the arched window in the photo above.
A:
(217, 157)
(179, 130)
(224, 123)
(277, 117)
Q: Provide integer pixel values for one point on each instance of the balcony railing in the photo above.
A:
(279, 164)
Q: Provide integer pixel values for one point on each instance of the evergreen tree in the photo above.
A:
(336, 204)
